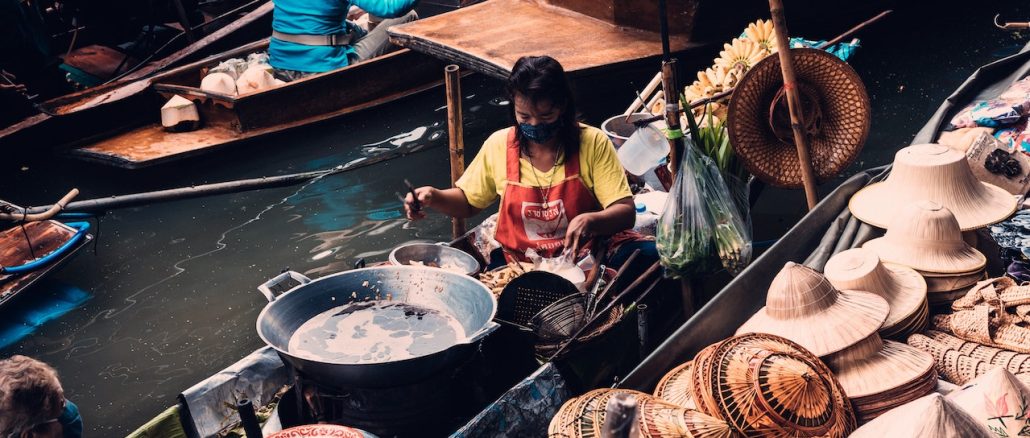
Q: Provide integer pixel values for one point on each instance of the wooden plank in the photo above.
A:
(635, 13)
(45, 236)
(309, 100)
(479, 38)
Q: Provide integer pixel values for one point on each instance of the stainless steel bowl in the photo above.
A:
(432, 254)
(618, 128)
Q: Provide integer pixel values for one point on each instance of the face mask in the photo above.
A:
(540, 133)
(71, 420)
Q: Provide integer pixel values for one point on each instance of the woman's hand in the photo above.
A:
(581, 229)
(425, 198)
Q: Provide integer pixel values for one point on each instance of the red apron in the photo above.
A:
(527, 220)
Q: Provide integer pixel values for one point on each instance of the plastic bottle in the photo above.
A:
(646, 222)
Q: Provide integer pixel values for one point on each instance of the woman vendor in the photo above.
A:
(559, 181)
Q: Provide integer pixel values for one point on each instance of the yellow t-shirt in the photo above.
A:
(485, 178)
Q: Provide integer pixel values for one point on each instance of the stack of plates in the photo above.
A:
(881, 375)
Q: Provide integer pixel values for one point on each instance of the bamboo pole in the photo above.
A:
(793, 101)
(456, 133)
(648, 91)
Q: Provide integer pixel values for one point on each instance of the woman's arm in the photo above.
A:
(619, 216)
(386, 8)
(451, 202)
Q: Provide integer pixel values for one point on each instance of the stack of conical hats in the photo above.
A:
(997, 400)
(932, 416)
(935, 173)
(926, 236)
(881, 375)
(902, 287)
(765, 385)
(803, 306)
(584, 416)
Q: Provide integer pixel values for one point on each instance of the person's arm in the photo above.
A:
(386, 8)
(618, 216)
(451, 202)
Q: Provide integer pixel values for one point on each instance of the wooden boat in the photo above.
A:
(44, 237)
(91, 111)
(231, 119)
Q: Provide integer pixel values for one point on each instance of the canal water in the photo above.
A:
(167, 294)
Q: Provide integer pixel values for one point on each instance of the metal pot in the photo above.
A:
(440, 255)
(618, 128)
(462, 297)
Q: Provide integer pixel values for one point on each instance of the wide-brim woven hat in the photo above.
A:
(995, 394)
(874, 366)
(932, 416)
(936, 282)
(925, 236)
(936, 173)
(861, 269)
(804, 307)
(836, 110)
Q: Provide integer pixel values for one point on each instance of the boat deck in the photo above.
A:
(45, 237)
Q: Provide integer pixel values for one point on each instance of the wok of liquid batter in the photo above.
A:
(375, 332)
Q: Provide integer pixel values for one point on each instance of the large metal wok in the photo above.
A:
(460, 296)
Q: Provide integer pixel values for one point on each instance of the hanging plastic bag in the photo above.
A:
(684, 238)
(730, 213)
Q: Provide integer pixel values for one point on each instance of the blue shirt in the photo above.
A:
(321, 17)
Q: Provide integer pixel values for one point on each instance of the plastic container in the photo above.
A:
(643, 150)
(646, 222)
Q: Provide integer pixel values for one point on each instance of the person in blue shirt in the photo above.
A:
(314, 36)
(32, 403)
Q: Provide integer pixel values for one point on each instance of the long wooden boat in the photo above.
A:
(88, 112)
(20, 245)
(232, 119)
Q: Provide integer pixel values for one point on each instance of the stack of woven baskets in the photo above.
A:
(930, 197)
(841, 326)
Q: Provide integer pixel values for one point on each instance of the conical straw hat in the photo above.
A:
(926, 237)
(936, 173)
(765, 385)
(860, 269)
(932, 416)
(836, 109)
(675, 386)
(936, 282)
(997, 400)
(658, 419)
(874, 366)
(804, 307)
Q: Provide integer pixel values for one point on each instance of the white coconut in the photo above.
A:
(220, 83)
(179, 115)
(256, 78)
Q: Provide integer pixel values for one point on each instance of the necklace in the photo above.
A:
(546, 191)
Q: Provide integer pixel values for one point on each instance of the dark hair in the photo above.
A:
(539, 78)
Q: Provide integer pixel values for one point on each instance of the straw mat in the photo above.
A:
(935, 173)
(925, 236)
(804, 307)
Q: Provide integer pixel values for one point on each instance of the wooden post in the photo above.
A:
(456, 133)
(793, 101)
(672, 118)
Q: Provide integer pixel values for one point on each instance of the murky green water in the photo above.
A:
(172, 285)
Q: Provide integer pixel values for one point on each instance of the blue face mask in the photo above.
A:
(71, 420)
(540, 133)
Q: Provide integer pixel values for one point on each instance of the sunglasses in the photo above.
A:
(1000, 162)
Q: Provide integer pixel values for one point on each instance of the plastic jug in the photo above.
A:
(643, 150)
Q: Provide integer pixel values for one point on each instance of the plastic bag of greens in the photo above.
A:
(684, 238)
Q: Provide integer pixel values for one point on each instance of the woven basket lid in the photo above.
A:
(925, 236)
(932, 416)
(861, 269)
(659, 419)
(804, 307)
(675, 386)
(997, 400)
(875, 366)
(835, 107)
(769, 386)
(937, 173)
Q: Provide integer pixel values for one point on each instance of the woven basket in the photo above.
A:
(836, 134)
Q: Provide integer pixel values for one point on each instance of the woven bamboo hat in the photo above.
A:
(659, 419)
(997, 400)
(936, 282)
(874, 366)
(836, 112)
(925, 236)
(861, 269)
(675, 386)
(932, 416)
(804, 307)
(765, 385)
(937, 173)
